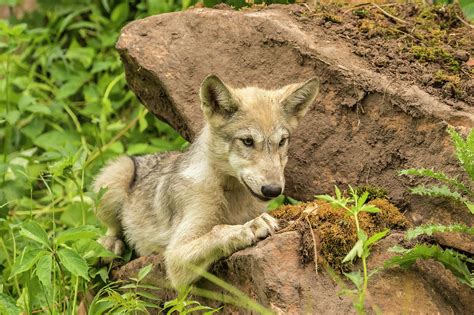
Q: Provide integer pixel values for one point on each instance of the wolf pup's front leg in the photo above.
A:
(186, 250)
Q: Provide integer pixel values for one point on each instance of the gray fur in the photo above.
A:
(201, 205)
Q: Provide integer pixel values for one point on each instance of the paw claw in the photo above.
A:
(263, 226)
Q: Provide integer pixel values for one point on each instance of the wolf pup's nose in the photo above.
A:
(271, 191)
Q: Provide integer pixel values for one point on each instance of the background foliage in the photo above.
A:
(65, 111)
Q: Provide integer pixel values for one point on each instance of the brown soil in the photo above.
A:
(425, 44)
(334, 231)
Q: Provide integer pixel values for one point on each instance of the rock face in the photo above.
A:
(363, 128)
(272, 273)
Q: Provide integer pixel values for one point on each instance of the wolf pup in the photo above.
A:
(201, 205)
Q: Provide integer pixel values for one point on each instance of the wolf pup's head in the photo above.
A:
(251, 128)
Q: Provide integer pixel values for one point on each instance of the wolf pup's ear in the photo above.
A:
(217, 102)
(301, 96)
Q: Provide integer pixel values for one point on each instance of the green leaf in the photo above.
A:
(436, 191)
(470, 206)
(138, 149)
(39, 109)
(84, 55)
(120, 13)
(449, 258)
(369, 208)
(74, 263)
(77, 233)
(355, 277)
(357, 250)
(464, 150)
(72, 86)
(376, 237)
(144, 272)
(89, 248)
(34, 128)
(362, 199)
(27, 260)
(12, 117)
(25, 101)
(8, 305)
(429, 229)
(424, 172)
(44, 269)
(34, 231)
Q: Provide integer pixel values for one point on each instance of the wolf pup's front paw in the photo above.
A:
(262, 226)
(113, 244)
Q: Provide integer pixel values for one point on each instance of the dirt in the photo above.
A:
(429, 45)
(334, 231)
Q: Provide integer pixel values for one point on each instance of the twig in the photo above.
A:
(315, 247)
(464, 21)
(289, 227)
(307, 7)
(360, 5)
(388, 14)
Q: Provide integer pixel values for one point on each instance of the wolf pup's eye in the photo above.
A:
(248, 142)
(283, 142)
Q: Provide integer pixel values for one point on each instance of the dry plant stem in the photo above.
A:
(464, 21)
(289, 227)
(388, 14)
(361, 5)
(314, 245)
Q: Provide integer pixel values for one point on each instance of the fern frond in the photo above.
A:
(464, 150)
(452, 260)
(429, 229)
(425, 172)
(437, 191)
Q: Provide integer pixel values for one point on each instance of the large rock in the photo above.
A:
(363, 128)
(272, 274)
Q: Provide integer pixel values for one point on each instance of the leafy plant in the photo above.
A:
(281, 200)
(354, 205)
(451, 259)
(451, 187)
(132, 297)
(182, 305)
(46, 261)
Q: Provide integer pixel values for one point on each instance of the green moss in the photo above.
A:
(374, 191)
(332, 18)
(436, 54)
(441, 78)
(334, 230)
(362, 13)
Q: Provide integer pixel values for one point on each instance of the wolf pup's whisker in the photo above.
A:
(198, 206)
